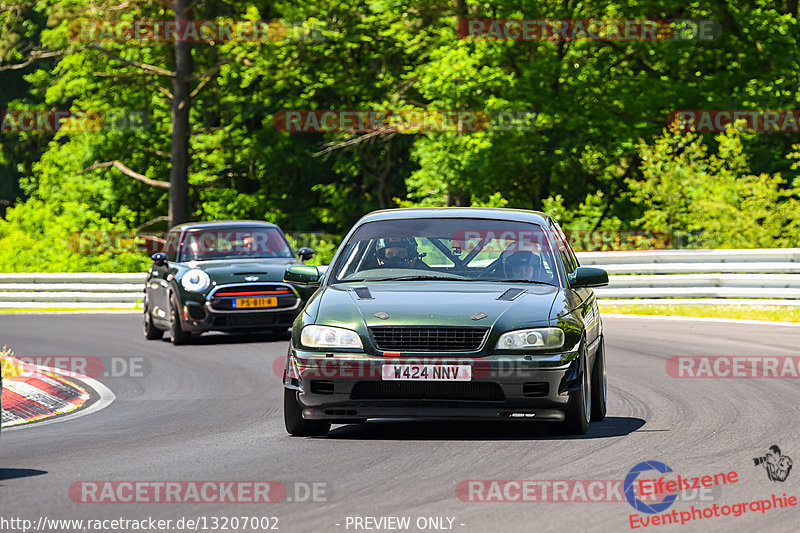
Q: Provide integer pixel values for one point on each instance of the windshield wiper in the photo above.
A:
(536, 282)
(421, 277)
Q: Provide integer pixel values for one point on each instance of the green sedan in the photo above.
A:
(222, 276)
(451, 313)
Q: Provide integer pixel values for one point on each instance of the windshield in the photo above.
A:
(447, 249)
(206, 245)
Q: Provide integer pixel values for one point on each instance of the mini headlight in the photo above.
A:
(532, 339)
(330, 337)
(195, 280)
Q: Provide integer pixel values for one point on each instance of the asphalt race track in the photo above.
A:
(212, 411)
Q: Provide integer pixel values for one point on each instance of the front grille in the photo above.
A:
(223, 298)
(474, 391)
(428, 339)
(251, 287)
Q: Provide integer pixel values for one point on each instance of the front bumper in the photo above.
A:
(212, 312)
(240, 321)
(199, 317)
(342, 387)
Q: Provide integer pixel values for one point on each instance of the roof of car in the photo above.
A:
(225, 224)
(490, 213)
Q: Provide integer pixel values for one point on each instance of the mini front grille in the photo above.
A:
(223, 299)
(428, 339)
(236, 290)
(474, 391)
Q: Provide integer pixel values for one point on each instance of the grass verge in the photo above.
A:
(747, 312)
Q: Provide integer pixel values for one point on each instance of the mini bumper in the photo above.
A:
(199, 317)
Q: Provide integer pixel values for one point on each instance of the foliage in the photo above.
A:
(712, 200)
(591, 150)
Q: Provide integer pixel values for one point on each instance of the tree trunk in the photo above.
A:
(457, 197)
(179, 170)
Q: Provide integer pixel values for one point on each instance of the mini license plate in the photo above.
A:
(403, 372)
(255, 303)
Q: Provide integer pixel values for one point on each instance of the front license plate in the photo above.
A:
(255, 303)
(401, 372)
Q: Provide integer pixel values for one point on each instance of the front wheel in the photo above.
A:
(295, 423)
(151, 332)
(599, 384)
(579, 408)
(176, 333)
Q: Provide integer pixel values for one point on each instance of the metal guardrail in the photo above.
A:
(755, 277)
(83, 290)
(759, 276)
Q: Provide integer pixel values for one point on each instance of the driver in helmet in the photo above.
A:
(400, 253)
(524, 266)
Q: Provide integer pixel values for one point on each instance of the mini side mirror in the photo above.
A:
(159, 258)
(305, 253)
(588, 277)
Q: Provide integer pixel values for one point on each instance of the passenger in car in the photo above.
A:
(524, 266)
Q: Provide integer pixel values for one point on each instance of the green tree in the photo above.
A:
(712, 200)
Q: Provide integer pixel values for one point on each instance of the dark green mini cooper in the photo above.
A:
(452, 313)
(224, 276)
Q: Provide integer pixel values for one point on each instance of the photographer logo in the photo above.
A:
(777, 465)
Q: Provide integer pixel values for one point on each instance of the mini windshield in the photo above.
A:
(447, 249)
(248, 243)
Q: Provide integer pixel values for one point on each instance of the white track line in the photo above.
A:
(701, 319)
(105, 399)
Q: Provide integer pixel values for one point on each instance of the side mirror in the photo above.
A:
(588, 277)
(159, 258)
(302, 275)
(305, 253)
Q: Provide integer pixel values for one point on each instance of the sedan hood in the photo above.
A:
(441, 303)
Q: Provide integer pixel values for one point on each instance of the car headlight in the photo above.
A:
(330, 337)
(195, 280)
(532, 339)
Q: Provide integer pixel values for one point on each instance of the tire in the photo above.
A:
(599, 384)
(176, 333)
(151, 332)
(579, 408)
(295, 423)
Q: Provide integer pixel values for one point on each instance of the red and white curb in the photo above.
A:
(44, 395)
